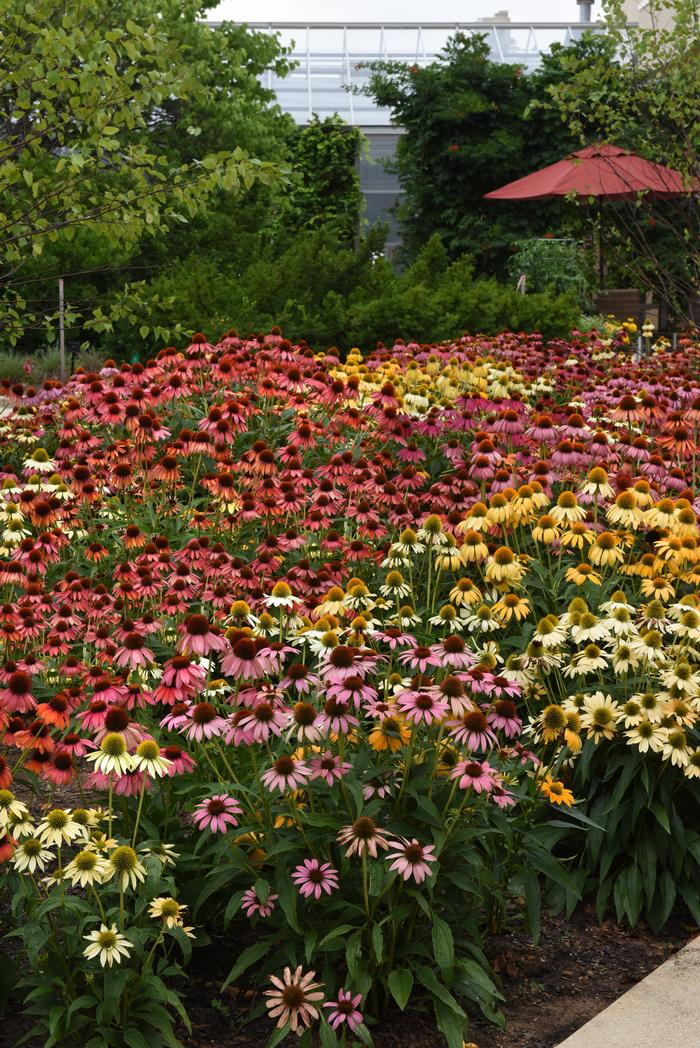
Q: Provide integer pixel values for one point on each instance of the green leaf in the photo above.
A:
(400, 983)
(249, 956)
(378, 943)
(443, 943)
(450, 1025)
(431, 982)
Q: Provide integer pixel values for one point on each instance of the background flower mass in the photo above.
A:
(349, 661)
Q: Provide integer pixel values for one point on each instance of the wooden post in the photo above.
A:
(61, 330)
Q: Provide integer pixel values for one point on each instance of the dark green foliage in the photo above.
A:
(643, 860)
(471, 126)
(332, 294)
(325, 178)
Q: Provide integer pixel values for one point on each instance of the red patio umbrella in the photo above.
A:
(604, 171)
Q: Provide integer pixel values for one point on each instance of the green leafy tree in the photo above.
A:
(326, 181)
(647, 101)
(110, 134)
(468, 128)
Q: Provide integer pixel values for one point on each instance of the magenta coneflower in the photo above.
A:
(262, 721)
(180, 762)
(217, 813)
(286, 773)
(314, 878)
(422, 705)
(243, 661)
(504, 715)
(345, 1010)
(199, 637)
(420, 658)
(363, 837)
(133, 652)
(473, 730)
(453, 652)
(411, 859)
(353, 689)
(336, 717)
(328, 766)
(252, 905)
(204, 722)
(481, 777)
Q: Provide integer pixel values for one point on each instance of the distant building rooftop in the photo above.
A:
(332, 56)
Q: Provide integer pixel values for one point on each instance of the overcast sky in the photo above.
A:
(393, 10)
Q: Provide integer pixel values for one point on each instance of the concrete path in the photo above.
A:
(662, 1010)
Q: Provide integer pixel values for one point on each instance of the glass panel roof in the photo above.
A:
(331, 57)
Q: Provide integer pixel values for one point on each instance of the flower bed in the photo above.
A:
(350, 658)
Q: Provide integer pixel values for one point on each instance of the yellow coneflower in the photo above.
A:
(567, 509)
(605, 551)
(546, 530)
(464, 593)
(577, 536)
(625, 511)
(658, 588)
(448, 557)
(556, 792)
(581, 574)
(473, 548)
(512, 606)
(597, 484)
(661, 515)
(476, 520)
(503, 566)
(499, 508)
(552, 721)
(600, 716)
(391, 734)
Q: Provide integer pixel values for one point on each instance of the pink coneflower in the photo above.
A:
(294, 999)
(17, 695)
(473, 730)
(329, 767)
(502, 688)
(300, 679)
(243, 662)
(423, 704)
(453, 652)
(411, 859)
(362, 837)
(263, 721)
(180, 762)
(217, 813)
(377, 788)
(181, 679)
(345, 1010)
(252, 905)
(204, 722)
(336, 717)
(178, 717)
(481, 777)
(76, 745)
(133, 652)
(419, 658)
(199, 637)
(394, 638)
(61, 770)
(501, 797)
(285, 774)
(314, 878)
(504, 715)
(353, 689)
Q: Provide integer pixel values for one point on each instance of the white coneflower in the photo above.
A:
(147, 758)
(107, 944)
(675, 747)
(395, 585)
(87, 867)
(650, 648)
(57, 827)
(600, 715)
(646, 735)
(589, 660)
(31, 855)
(624, 658)
(169, 910)
(40, 462)
(124, 863)
(282, 597)
(589, 628)
(165, 853)
(549, 633)
(683, 677)
(112, 756)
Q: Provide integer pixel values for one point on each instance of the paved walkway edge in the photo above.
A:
(662, 1010)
